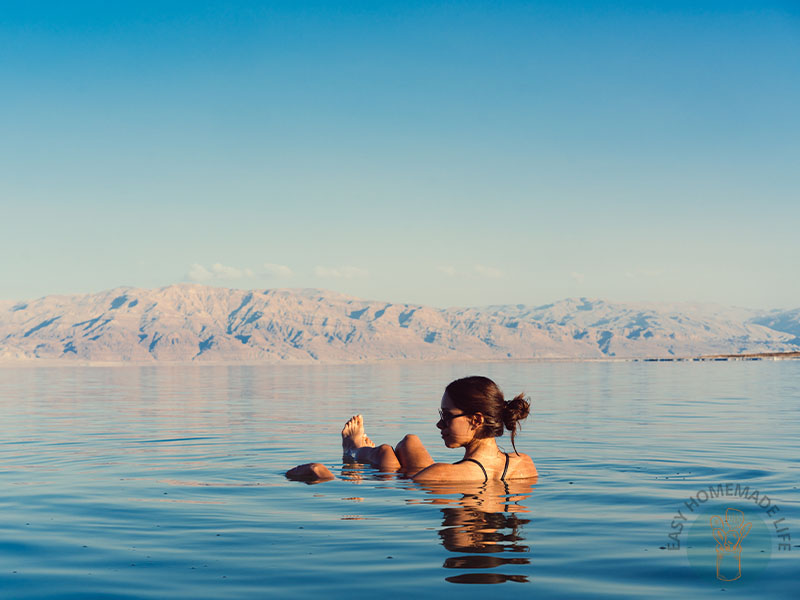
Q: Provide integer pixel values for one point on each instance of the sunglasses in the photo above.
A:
(445, 419)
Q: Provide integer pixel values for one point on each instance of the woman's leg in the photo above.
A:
(359, 447)
(412, 454)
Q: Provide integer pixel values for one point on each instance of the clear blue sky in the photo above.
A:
(445, 153)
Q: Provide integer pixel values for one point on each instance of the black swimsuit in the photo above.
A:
(486, 477)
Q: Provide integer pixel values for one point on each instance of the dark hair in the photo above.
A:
(481, 395)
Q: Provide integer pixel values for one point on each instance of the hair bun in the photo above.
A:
(516, 410)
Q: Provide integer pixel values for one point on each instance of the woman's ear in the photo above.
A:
(477, 420)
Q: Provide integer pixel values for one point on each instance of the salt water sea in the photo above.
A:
(167, 482)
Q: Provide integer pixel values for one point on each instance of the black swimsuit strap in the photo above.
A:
(503, 476)
(485, 476)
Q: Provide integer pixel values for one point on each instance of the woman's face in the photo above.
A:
(456, 425)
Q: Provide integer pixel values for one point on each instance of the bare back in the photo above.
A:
(502, 467)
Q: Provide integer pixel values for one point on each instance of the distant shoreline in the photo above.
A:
(724, 357)
(50, 362)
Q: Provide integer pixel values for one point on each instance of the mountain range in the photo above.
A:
(188, 322)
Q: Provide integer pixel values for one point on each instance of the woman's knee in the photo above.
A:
(386, 456)
(385, 451)
(409, 440)
(412, 453)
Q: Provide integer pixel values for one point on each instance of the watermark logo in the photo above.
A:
(729, 532)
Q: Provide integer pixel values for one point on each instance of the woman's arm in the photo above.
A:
(311, 472)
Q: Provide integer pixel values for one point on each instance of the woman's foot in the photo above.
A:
(353, 436)
(358, 447)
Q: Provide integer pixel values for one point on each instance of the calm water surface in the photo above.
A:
(167, 482)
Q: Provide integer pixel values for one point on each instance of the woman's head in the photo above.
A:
(472, 395)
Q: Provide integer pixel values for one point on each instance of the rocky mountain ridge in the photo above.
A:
(188, 322)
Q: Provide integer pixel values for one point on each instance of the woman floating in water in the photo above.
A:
(473, 413)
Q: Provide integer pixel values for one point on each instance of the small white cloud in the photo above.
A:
(346, 272)
(273, 270)
(579, 277)
(489, 272)
(225, 272)
(447, 270)
(217, 271)
(199, 273)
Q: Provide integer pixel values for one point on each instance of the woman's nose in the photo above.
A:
(439, 424)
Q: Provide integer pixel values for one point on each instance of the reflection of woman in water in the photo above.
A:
(482, 527)
(473, 413)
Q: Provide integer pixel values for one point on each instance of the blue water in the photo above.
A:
(167, 482)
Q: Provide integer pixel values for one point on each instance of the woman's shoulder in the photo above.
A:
(445, 472)
(521, 466)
